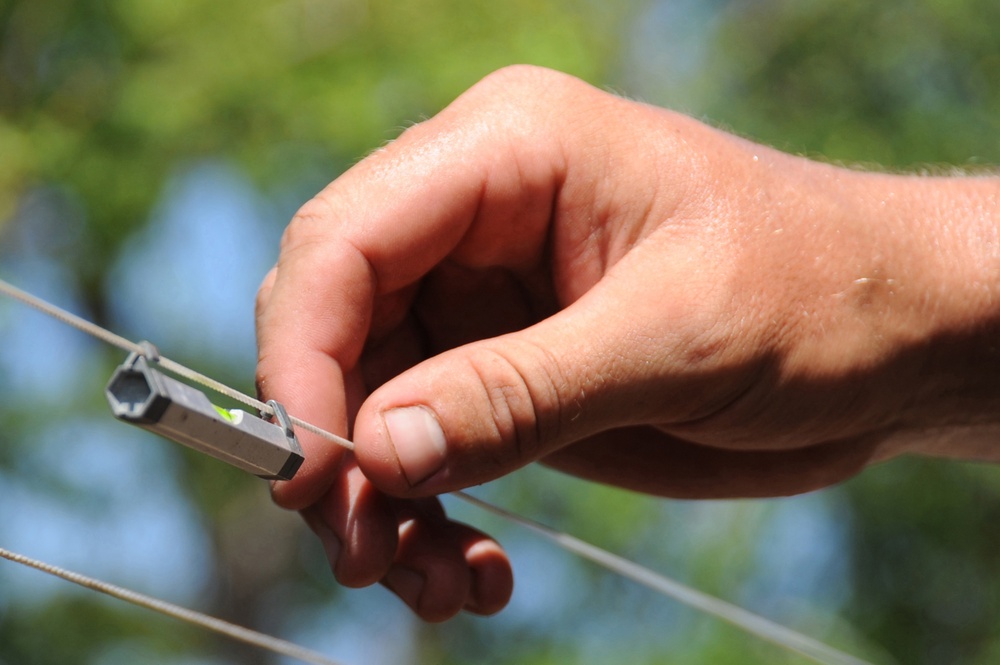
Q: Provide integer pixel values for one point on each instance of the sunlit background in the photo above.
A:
(151, 152)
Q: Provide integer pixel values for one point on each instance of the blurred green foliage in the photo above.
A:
(896, 84)
(102, 100)
(105, 97)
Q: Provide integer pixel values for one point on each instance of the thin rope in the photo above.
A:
(69, 318)
(231, 630)
(748, 621)
(180, 370)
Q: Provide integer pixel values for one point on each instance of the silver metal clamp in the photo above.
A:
(144, 396)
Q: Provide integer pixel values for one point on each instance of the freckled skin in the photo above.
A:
(556, 274)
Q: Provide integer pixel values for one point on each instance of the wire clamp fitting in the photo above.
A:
(149, 351)
(148, 398)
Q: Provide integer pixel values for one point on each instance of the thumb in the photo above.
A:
(618, 356)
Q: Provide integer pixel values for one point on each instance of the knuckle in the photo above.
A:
(521, 100)
(264, 292)
(523, 394)
(307, 225)
(261, 374)
(514, 79)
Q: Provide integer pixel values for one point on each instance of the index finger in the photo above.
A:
(475, 183)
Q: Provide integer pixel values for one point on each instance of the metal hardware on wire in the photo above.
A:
(144, 348)
(143, 396)
(744, 619)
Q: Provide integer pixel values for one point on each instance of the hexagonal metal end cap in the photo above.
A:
(133, 395)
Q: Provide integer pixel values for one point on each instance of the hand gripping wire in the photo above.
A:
(202, 433)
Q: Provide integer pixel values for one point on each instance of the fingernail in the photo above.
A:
(331, 544)
(406, 583)
(419, 442)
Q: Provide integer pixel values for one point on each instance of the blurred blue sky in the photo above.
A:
(94, 497)
(201, 258)
(663, 61)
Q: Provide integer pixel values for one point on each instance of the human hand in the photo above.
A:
(545, 271)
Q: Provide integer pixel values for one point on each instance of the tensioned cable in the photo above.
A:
(733, 614)
(246, 635)
(180, 370)
(745, 619)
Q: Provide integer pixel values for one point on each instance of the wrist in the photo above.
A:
(887, 320)
(954, 237)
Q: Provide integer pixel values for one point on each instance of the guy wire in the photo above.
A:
(180, 370)
(213, 624)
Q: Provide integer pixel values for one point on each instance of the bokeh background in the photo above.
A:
(151, 152)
